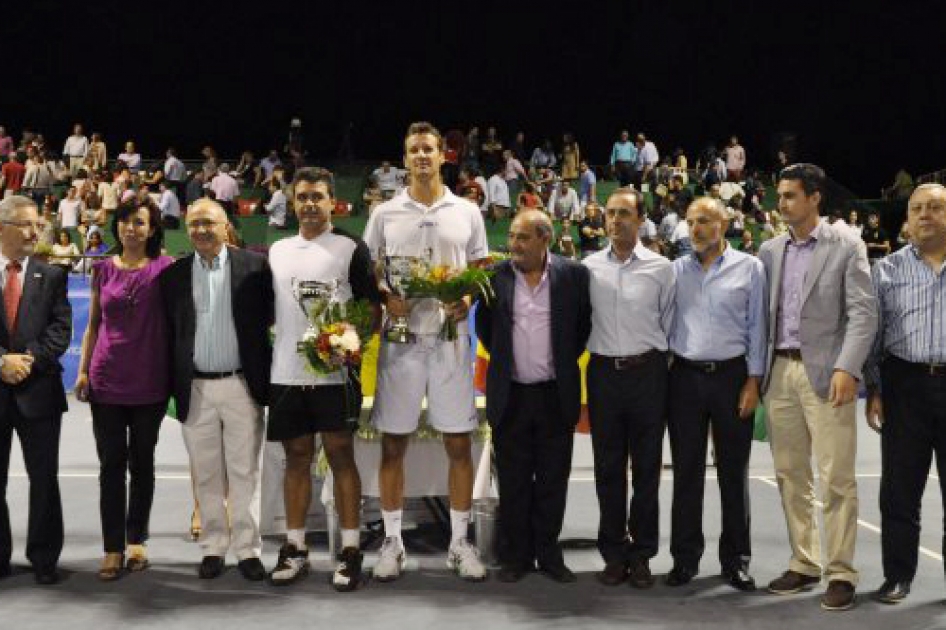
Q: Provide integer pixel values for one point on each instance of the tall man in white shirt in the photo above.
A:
(75, 150)
(170, 206)
(175, 172)
(427, 220)
(632, 306)
(225, 188)
(497, 195)
(646, 161)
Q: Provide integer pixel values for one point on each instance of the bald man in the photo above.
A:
(219, 304)
(718, 344)
(906, 382)
(535, 329)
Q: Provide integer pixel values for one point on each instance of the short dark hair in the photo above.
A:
(811, 177)
(421, 127)
(314, 175)
(125, 210)
(638, 199)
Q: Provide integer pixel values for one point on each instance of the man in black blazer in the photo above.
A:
(219, 305)
(35, 329)
(535, 328)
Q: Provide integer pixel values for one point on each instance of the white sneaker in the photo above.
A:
(465, 561)
(293, 564)
(391, 560)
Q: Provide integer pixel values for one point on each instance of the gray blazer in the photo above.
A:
(838, 313)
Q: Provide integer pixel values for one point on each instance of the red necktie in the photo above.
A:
(11, 294)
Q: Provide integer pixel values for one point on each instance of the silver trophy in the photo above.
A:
(397, 272)
(315, 298)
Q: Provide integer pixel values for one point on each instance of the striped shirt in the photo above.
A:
(910, 299)
(215, 338)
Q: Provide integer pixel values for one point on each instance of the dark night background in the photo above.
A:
(864, 90)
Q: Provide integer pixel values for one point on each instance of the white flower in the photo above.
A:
(311, 334)
(350, 341)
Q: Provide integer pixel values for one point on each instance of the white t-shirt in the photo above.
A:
(387, 181)
(497, 191)
(69, 211)
(479, 179)
(450, 232)
(334, 255)
(647, 230)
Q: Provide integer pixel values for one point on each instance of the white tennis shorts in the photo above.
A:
(440, 370)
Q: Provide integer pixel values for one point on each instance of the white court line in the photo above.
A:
(861, 522)
(709, 475)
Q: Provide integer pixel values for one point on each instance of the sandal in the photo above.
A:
(195, 525)
(137, 558)
(111, 567)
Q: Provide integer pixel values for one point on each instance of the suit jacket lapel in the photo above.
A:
(555, 298)
(818, 259)
(778, 258)
(506, 288)
(237, 274)
(189, 314)
(32, 284)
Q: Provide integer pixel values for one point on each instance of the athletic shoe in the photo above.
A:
(347, 576)
(293, 564)
(391, 560)
(465, 561)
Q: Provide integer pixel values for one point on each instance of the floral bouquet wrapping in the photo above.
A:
(337, 333)
(448, 284)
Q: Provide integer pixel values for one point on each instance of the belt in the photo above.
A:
(928, 369)
(624, 363)
(215, 376)
(793, 354)
(709, 367)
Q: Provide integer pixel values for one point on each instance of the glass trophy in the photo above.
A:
(397, 272)
(314, 297)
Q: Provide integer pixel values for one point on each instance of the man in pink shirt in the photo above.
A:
(514, 174)
(535, 329)
(225, 188)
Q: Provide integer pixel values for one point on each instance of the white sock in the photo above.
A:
(351, 538)
(459, 524)
(392, 523)
(296, 537)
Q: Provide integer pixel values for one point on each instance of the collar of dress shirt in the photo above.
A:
(814, 236)
(545, 270)
(446, 199)
(217, 263)
(638, 253)
(719, 262)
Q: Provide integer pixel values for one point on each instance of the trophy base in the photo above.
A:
(399, 336)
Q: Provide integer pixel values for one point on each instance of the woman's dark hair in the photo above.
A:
(153, 246)
(59, 236)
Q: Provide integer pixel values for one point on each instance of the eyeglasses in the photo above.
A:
(36, 225)
(304, 197)
(197, 224)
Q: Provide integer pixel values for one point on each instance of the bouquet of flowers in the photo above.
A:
(448, 284)
(336, 334)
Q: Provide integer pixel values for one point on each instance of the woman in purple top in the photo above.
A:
(124, 374)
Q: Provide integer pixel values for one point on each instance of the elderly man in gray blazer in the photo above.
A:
(822, 323)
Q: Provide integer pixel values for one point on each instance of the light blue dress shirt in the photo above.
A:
(721, 313)
(215, 339)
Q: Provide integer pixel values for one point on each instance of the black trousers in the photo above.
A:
(914, 429)
(39, 439)
(125, 438)
(626, 410)
(700, 402)
(624, 172)
(533, 448)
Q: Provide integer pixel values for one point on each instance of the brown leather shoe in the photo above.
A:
(614, 573)
(137, 558)
(839, 596)
(639, 574)
(792, 582)
(111, 567)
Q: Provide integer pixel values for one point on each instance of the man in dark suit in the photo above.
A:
(35, 329)
(219, 305)
(535, 329)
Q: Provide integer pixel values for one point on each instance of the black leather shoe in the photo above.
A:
(639, 575)
(680, 575)
(892, 591)
(5, 571)
(614, 573)
(252, 569)
(739, 579)
(210, 567)
(510, 573)
(46, 576)
(558, 572)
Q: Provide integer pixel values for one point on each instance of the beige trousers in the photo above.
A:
(802, 424)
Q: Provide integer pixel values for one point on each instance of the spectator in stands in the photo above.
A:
(668, 224)
(94, 244)
(735, 156)
(497, 194)
(680, 163)
(854, 222)
(225, 189)
(876, 239)
(491, 150)
(98, 152)
(471, 150)
(169, 205)
(12, 174)
(70, 209)
(65, 252)
(372, 195)
(543, 156)
(278, 204)
(195, 187)
(267, 165)
(587, 183)
(564, 203)
(747, 244)
(130, 157)
(7, 147)
(591, 230)
(39, 178)
(902, 186)
(565, 243)
(623, 157)
(529, 198)
(647, 233)
(387, 177)
(646, 161)
(75, 149)
(129, 396)
(571, 157)
(518, 148)
(210, 164)
(715, 172)
(513, 173)
(245, 172)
